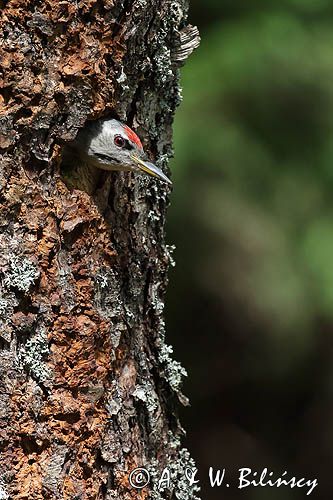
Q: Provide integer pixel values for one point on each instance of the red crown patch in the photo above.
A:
(132, 136)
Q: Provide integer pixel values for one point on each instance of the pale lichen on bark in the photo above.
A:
(88, 388)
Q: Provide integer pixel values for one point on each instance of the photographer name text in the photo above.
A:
(247, 478)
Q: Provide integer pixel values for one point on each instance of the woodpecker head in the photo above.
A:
(111, 145)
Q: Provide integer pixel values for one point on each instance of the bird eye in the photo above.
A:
(119, 141)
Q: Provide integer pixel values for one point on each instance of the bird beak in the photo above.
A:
(151, 169)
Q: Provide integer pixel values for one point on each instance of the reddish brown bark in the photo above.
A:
(87, 385)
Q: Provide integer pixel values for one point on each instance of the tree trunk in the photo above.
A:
(87, 385)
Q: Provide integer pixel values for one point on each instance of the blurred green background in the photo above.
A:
(250, 301)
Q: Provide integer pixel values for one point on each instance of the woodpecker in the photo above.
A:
(108, 144)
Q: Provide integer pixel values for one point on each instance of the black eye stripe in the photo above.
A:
(128, 145)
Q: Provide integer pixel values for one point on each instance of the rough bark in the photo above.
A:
(87, 385)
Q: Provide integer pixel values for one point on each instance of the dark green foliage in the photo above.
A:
(253, 176)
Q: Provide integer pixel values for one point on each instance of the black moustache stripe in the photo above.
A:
(107, 158)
